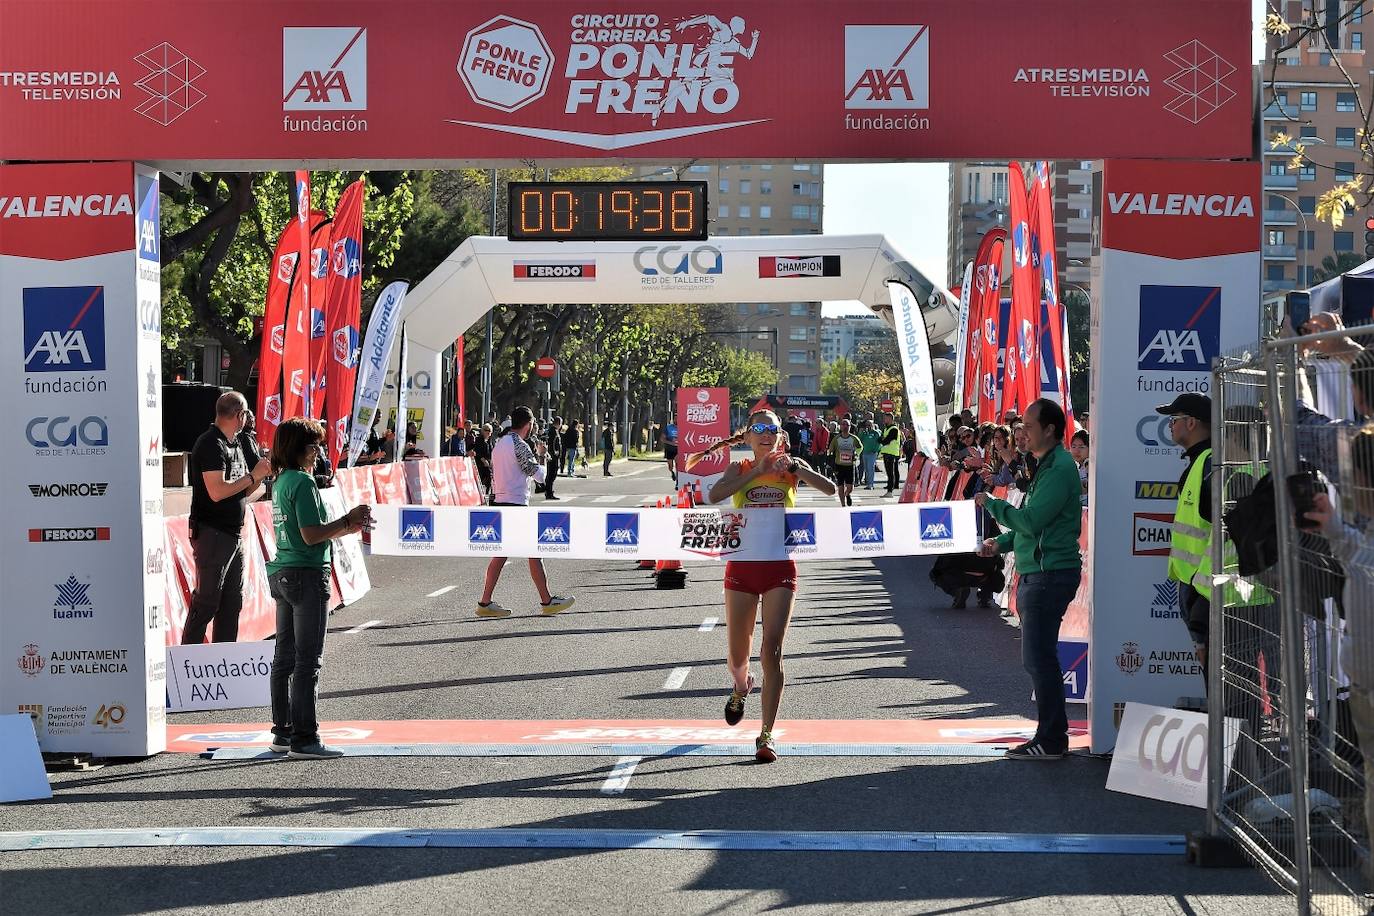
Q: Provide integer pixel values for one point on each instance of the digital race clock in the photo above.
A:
(611, 211)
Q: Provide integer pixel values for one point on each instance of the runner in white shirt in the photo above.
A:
(513, 465)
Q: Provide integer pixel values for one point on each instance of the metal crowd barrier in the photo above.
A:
(1293, 799)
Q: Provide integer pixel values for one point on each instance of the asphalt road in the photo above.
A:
(869, 640)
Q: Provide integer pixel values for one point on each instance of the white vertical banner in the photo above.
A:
(961, 340)
(402, 429)
(82, 555)
(424, 373)
(914, 344)
(381, 332)
(1179, 284)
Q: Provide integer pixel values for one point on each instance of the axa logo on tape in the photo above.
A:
(555, 531)
(554, 270)
(818, 265)
(1151, 534)
(886, 67)
(1180, 328)
(484, 529)
(622, 532)
(1156, 489)
(801, 531)
(64, 329)
(324, 69)
(417, 529)
(866, 530)
(937, 524)
(67, 535)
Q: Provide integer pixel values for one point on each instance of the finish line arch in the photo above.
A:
(485, 271)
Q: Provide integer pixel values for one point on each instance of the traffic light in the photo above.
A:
(1369, 238)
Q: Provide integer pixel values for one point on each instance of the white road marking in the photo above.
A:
(708, 624)
(619, 777)
(443, 591)
(677, 678)
(363, 626)
(611, 498)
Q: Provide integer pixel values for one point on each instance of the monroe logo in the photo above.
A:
(417, 528)
(73, 600)
(886, 66)
(702, 413)
(937, 524)
(64, 329)
(67, 535)
(66, 205)
(555, 530)
(324, 69)
(1180, 328)
(40, 490)
(579, 270)
(622, 531)
(801, 531)
(1181, 205)
(52, 436)
(1156, 489)
(821, 265)
(484, 529)
(866, 530)
(1151, 535)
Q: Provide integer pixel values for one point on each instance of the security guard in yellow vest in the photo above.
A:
(891, 449)
(1190, 424)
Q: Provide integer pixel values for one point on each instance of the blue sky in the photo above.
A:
(907, 202)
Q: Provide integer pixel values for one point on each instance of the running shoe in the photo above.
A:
(492, 609)
(279, 745)
(734, 706)
(765, 748)
(556, 604)
(316, 751)
(1033, 750)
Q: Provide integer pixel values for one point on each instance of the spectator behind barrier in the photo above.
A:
(1317, 433)
(221, 483)
(1079, 449)
(1352, 540)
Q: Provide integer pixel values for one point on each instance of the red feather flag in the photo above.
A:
(343, 315)
(1022, 369)
(987, 282)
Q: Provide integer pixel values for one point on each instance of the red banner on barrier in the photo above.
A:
(803, 80)
(469, 486)
(389, 483)
(179, 591)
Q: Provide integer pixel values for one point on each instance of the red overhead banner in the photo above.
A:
(465, 81)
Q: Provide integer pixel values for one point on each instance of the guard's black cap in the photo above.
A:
(1197, 406)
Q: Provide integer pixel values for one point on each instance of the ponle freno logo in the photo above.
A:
(636, 65)
(324, 70)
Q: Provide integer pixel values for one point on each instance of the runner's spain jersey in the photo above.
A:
(771, 490)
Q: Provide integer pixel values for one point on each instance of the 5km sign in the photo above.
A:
(386, 83)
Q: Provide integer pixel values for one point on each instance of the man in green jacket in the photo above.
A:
(1043, 532)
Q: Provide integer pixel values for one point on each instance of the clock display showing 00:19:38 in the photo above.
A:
(606, 211)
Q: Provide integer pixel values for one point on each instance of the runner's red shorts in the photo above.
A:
(757, 577)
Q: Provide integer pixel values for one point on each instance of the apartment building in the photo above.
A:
(1312, 102)
(768, 198)
(845, 334)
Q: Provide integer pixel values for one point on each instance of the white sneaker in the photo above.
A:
(557, 604)
(492, 610)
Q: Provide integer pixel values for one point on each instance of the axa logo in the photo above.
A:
(324, 69)
(148, 249)
(417, 526)
(484, 527)
(1180, 328)
(937, 523)
(886, 66)
(622, 529)
(64, 329)
(555, 528)
(1020, 244)
(345, 258)
(801, 529)
(866, 528)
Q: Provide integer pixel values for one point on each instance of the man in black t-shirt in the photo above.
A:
(793, 428)
(220, 486)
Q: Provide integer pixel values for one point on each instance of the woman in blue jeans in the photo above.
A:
(299, 580)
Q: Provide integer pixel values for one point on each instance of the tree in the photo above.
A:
(747, 373)
(837, 379)
(1311, 34)
(1080, 349)
(1335, 265)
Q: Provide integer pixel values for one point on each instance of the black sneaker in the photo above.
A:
(960, 599)
(316, 751)
(734, 705)
(1034, 750)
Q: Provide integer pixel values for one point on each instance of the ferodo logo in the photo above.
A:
(554, 270)
(67, 535)
(1150, 537)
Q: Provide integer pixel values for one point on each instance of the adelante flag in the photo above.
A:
(1022, 385)
(913, 342)
(343, 316)
(966, 343)
(987, 306)
(296, 352)
(1056, 318)
(381, 332)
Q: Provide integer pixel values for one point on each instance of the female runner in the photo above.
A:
(767, 480)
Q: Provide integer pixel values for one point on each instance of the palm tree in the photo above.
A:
(1335, 265)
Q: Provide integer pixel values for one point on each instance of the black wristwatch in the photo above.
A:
(793, 468)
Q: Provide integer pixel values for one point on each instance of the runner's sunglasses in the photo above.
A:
(761, 428)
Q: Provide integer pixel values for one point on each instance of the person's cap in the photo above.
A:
(1197, 406)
